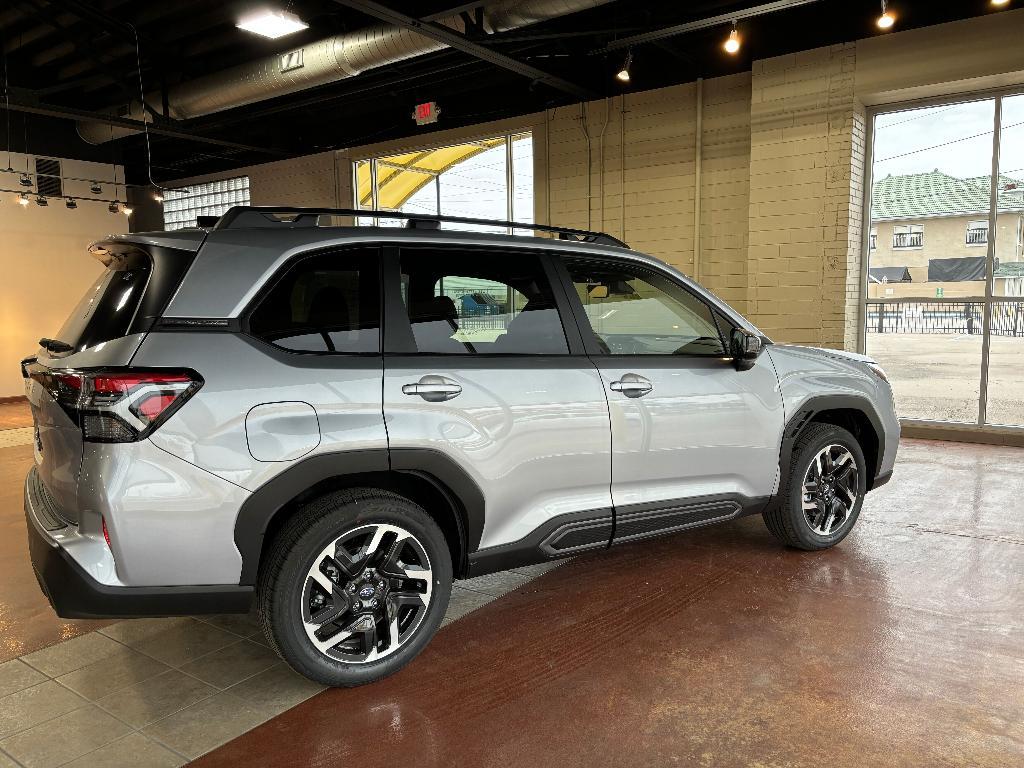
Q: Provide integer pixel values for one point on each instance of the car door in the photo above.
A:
(485, 368)
(694, 439)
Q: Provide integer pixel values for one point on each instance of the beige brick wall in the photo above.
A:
(806, 185)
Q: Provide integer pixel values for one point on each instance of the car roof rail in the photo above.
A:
(276, 217)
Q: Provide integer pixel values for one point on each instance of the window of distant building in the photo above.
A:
(977, 232)
(908, 236)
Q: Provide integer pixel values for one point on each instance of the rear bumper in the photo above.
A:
(74, 594)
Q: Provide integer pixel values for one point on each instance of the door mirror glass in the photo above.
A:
(746, 348)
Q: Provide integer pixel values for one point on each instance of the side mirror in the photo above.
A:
(746, 348)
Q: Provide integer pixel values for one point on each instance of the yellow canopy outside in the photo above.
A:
(399, 177)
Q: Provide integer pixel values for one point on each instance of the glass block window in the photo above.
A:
(182, 206)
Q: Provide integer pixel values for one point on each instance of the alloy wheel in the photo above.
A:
(830, 489)
(366, 593)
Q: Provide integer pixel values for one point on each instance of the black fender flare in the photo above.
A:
(260, 508)
(816, 404)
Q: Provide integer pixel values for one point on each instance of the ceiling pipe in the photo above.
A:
(322, 62)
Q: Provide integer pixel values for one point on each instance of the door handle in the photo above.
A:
(632, 385)
(433, 389)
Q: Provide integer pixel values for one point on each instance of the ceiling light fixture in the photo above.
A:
(887, 19)
(272, 24)
(22, 199)
(126, 210)
(113, 208)
(42, 201)
(158, 198)
(70, 203)
(25, 180)
(1000, 2)
(95, 189)
(623, 74)
(732, 45)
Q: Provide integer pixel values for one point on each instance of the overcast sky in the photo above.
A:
(955, 139)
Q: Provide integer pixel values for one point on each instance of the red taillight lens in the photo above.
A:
(106, 533)
(119, 406)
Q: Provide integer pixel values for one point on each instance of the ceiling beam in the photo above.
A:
(460, 42)
(69, 113)
(693, 26)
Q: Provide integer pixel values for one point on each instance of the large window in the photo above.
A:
(945, 313)
(182, 206)
(485, 179)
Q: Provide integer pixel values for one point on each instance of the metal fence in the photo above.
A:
(951, 317)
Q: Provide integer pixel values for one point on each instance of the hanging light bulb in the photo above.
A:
(25, 180)
(95, 188)
(126, 210)
(623, 74)
(158, 197)
(1000, 2)
(887, 19)
(113, 208)
(732, 45)
(71, 203)
(41, 201)
(22, 199)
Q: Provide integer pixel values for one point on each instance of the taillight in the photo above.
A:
(119, 406)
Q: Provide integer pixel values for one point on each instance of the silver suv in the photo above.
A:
(336, 422)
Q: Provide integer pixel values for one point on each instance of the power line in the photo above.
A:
(945, 143)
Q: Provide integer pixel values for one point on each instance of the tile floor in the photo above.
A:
(160, 692)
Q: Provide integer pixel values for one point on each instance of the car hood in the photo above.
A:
(835, 354)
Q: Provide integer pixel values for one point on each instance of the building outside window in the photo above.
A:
(874, 240)
(182, 206)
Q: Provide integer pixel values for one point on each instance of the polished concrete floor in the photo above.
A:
(902, 646)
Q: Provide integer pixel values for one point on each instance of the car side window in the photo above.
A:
(475, 302)
(329, 303)
(637, 311)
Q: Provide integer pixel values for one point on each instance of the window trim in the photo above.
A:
(398, 335)
(275, 279)
(583, 322)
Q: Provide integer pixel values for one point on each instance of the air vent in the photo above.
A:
(48, 177)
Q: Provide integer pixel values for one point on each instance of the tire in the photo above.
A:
(376, 604)
(812, 529)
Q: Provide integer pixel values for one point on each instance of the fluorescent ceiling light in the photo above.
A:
(272, 24)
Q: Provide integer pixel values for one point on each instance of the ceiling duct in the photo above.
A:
(322, 62)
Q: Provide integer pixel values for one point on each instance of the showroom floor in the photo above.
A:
(902, 646)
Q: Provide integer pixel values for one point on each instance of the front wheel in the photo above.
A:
(820, 500)
(355, 586)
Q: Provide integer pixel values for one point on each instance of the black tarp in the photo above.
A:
(956, 270)
(889, 274)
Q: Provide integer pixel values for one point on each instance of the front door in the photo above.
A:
(485, 368)
(694, 440)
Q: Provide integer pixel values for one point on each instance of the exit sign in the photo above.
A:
(426, 113)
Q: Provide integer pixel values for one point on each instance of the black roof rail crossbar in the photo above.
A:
(267, 216)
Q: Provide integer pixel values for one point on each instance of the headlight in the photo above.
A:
(877, 370)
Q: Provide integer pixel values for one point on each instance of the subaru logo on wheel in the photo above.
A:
(366, 592)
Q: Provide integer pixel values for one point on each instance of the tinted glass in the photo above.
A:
(107, 309)
(476, 302)
(634, 311)
(328, 303)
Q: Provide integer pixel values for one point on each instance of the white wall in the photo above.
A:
(44, 262)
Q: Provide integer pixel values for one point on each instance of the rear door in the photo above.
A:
(694, 440)
(484, 366)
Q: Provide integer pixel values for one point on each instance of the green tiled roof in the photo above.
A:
(921, 195)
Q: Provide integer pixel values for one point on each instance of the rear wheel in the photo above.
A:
(820, 500)
(355, 586)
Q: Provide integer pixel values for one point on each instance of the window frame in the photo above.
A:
(278, 277)
(398, 334)
(908, 230)
(967, 233)
(590, 339)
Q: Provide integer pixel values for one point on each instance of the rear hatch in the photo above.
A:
(102, 333)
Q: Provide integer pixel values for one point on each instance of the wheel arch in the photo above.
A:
(851, 412)
(429, 478)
